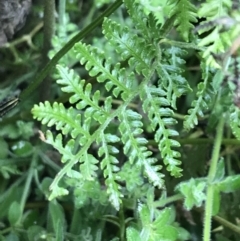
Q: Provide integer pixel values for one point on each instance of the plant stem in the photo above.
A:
(48, 30)
(49, 26)
(122, 223)
(164, 202)
(61, 18)
(27, 185)
(227, 224)
(211, 176)
(61, 12)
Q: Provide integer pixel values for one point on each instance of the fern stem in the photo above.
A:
(210, 186)
(48, 67)
(164, 202)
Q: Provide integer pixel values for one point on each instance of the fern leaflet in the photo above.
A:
(185, 14)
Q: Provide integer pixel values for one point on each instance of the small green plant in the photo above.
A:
(91, 120)
(135, 163)
(153, 80)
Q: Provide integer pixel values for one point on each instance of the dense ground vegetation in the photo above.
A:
(127, 123)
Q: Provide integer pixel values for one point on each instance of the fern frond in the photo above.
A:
(65, 151)
(109, 166)
(170, 73)
(144, 60)
(115, 77)
(217, 43)
(137, 15)
(214, 8)
(131, 47)
(130, 129)
(87, 161)
(82, 94)
(88, 167)
(185, 14)
(199, 106)
(152, 172)
(154, 104)
(58, 192)
(66, 120)
(145, 24)
(225, 30)
(135, 146)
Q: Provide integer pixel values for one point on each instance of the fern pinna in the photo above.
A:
(153, 79)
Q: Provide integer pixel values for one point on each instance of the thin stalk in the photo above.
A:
(28, 184)
(164, 202)
(227, 224)
(121, 223)
(61, 18)
(61, 12)
(48, 30)
(210, 179)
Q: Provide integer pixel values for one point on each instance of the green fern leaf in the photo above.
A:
(87, 162)
(117, 79)
(214, 8)
(145, 24)
(161, 119)
(82, 94)
(199, 106)
(152, 172)
(58, 192)
(89, 167)
(65, 151)
(217, 43)
(109, 167)
(225, 29)
(144, 59)
(185, 14)
(131, 47)
(170, 72)
(66, 120)
(135, 146)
